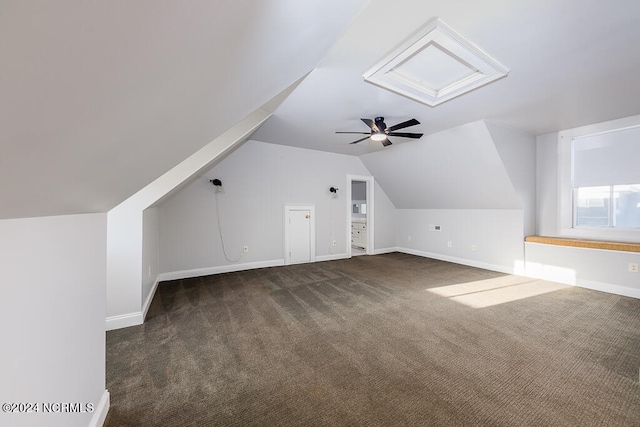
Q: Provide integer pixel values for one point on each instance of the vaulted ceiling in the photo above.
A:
(571, 63)
(100, 98)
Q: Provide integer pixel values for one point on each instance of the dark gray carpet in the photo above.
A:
(367, 342)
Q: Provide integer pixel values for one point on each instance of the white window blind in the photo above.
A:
(608, 158)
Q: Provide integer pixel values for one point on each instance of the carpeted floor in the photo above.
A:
(385, 340)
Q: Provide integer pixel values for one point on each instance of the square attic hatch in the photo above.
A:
(435, 65)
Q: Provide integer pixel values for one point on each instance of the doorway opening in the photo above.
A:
(360, 224)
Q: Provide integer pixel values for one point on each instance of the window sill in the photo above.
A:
(579, 243)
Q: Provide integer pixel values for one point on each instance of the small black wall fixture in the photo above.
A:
(334, 192)
(216, 182)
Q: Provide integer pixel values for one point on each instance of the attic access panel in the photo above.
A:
(435, 65)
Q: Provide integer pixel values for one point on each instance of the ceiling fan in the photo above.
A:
(380, 131)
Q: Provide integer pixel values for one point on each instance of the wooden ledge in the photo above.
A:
(578, 243)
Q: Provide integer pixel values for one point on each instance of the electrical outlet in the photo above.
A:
(433, 227)
(449, 244)
(245, 249)
(633, 267)
(473, 247)
(408, 238)
(149, 273)
(333, 243)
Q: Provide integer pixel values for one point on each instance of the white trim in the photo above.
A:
(147, 302)
(481, 68)
(386, 250)
(100, 413)
(124, 320)
(331, 257)
(370, 212)
(462, 261)
(207, 271)
(608, 288)
(312, 228)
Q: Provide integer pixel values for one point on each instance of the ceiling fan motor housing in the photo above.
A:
(380, 124)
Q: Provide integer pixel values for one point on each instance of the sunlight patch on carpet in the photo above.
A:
(500, 290)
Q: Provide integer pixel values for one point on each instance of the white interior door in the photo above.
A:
(299, 235)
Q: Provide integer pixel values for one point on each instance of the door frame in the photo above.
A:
(370, 212)
(312, 230)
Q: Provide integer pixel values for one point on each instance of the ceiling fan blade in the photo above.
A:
(369, 123)
(386, 142)
(355, 142)
(359, 133)
(403, 125)
(406, 134)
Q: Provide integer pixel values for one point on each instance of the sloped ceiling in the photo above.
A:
(571, 63)
(459, 168)
(100, 98)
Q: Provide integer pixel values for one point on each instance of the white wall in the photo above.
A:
(259, 179)
(52, 316)
(455, 169)
(150, 254)
(496, 234)
(386, 221)
(547, 185)
(476, 181)
(517, 150)
(125, 287)
(603, 270)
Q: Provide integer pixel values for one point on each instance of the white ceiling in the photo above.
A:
(571, 63)
(100, 98)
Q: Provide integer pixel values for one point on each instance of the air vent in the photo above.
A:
(435, 65)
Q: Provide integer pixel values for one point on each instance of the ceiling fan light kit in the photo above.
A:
(378, 136)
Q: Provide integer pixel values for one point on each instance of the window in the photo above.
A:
(607, 206)
(599, 172)
(606, 179)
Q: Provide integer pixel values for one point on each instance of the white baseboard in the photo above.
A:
(207, 271)
(385, 251)
(100, 413)
(124, 320)
(609, 288)
(147, 302)
(331, 257)
(462, 261)
(552, 275)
